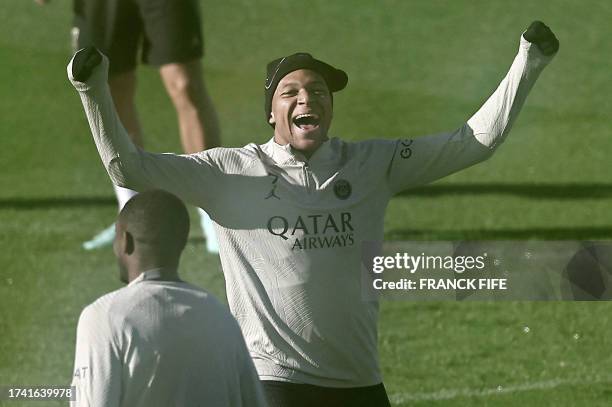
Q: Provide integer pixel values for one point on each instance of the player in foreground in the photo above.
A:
(291, 213)
(168, 35)
(159, 341)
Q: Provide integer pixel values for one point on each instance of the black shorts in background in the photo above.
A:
(165, 31)
(284, 394)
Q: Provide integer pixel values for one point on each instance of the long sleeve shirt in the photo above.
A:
(162, 343)
(290, 229)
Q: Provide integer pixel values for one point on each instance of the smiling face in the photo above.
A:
(301, 111)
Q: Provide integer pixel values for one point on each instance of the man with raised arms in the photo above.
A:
(291, 213)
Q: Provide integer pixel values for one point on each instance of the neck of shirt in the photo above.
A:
(157, 274)
(286, 154)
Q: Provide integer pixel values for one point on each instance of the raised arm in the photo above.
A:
(194, 178)
(425, 159)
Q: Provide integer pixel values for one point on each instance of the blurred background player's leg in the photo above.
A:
(114, 26)
(198, 123)
(171, 36)
(197, 117)
(174, 42)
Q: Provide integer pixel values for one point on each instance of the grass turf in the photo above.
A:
(416, 67)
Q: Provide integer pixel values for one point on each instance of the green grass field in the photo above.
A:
(415, 67)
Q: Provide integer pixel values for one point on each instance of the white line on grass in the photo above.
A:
(447, 394)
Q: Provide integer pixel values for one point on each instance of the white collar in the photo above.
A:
(153, 274)
(285, 154)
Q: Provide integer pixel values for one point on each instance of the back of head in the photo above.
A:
(158, 222)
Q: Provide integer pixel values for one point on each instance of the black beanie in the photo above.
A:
(336, 79)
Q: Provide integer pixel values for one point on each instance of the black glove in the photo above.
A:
(84, 63)
(539, 34)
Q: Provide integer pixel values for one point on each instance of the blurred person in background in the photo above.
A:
(167, 34)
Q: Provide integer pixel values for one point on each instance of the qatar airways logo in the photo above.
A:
(308, 232)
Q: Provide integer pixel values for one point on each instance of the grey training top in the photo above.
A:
(290, 229)
(162, 343)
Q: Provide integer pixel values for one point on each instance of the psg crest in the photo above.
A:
(342, 189)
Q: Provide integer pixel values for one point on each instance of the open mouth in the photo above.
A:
(306, 121)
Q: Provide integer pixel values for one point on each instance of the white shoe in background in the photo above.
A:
(102, 239)
(212, 244)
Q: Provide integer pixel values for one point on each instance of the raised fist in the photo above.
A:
(85, 60)
(539, 34)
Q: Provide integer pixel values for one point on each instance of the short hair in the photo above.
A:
(157, 219)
